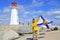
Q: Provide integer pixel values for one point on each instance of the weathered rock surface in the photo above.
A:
(8, 35)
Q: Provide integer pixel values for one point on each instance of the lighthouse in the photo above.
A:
(14, 14)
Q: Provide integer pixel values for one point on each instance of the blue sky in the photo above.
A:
(28, 9)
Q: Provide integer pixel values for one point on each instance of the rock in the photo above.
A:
(48, 30)
(1, 34)
(8, 27)
(25, 29)
(9, 35)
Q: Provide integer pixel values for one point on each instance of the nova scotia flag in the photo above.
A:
(41, 22)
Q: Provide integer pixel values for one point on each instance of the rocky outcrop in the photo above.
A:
(10, 35)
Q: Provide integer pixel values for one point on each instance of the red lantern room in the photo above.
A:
(14, 4)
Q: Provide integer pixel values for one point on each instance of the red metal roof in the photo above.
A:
(14, 3)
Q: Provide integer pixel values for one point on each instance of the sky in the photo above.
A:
(29, 9)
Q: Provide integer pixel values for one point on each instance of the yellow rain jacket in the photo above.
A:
(34, 25)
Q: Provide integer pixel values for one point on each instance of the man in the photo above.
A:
(35, 28)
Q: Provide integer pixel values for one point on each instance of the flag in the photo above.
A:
(41, 21)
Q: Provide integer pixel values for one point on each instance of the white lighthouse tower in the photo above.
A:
(14, 14)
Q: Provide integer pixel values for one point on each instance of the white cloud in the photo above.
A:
(27, 12)
(5, 15)
(53, 3)
(35, 12)
(58, 12)
(4, 18)
(40, 12)
(34, 1)
(0, 10)
(6, 10)
(33, 4)
(4, 22)
(53, 12)
(36, 4)
(57, 17)
(24, 16)
(21, 7)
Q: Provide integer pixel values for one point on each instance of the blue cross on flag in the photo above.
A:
(41, 22)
